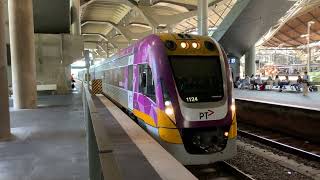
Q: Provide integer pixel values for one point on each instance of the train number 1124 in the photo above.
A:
(192, 99)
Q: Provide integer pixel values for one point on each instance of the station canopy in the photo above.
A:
(109, 25)
(293, 30)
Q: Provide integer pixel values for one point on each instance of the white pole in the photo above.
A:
(76, 25)
(203, 17)
(87, 60)
(308, 49)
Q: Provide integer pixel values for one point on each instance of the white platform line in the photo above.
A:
(277, 104)
(164, 163)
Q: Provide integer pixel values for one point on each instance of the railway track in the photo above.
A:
(219, 170)
(281, 146)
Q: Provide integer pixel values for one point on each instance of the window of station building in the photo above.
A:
(146, 83)
(130, 77)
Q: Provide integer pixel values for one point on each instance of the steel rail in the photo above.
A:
(280, 146)
(222, 169)
(235, 171)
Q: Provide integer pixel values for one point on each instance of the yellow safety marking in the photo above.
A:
(170, 135)
(145, 117)
(96, 86)
(163, 120)
(167, 129)
(233, 128)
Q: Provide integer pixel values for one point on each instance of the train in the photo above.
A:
(178, 87)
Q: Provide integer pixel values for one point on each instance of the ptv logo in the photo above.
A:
(205, 115)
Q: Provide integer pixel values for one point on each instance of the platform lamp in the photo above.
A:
(308, 44)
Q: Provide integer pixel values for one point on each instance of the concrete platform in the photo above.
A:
(312, 101)
(138, 156)
(288, 113)
(48, 142)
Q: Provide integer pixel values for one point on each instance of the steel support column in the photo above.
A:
(203, 17)
(87, 60)
(63, 80)
(76, 24)
(250, 64)
(22, 54)
(4, 100)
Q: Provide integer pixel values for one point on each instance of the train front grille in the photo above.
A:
(204, 140)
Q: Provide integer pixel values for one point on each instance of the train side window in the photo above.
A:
(146, 83)
(121, 77)
(117, 76)
(130, 77)
(112, 77)
(108, 77)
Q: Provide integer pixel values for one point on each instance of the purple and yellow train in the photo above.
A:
(178, 87)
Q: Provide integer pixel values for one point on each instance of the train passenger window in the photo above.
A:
(121, 79)
(130, 77)
(146, 83)
(108, 77)
(116, 77)
(112, 82)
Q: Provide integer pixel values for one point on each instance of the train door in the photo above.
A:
(146, 82)
(147, 97)
(130, 83)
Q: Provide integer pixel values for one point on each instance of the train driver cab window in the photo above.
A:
(146, 83)
(198, 78)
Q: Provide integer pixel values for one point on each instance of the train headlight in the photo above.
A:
(184, 45)
(169, 111)
(233, 106)
(167, 103)
(226, 134)
(195, 45)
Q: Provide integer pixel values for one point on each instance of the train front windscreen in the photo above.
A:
(198, 78)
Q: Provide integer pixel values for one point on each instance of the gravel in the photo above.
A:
(281, 153)
(261, 168)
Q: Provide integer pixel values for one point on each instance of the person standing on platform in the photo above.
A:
(72, 82)
(305, 83)
(277, 81)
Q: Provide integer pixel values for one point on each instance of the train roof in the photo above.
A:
(177, 38)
